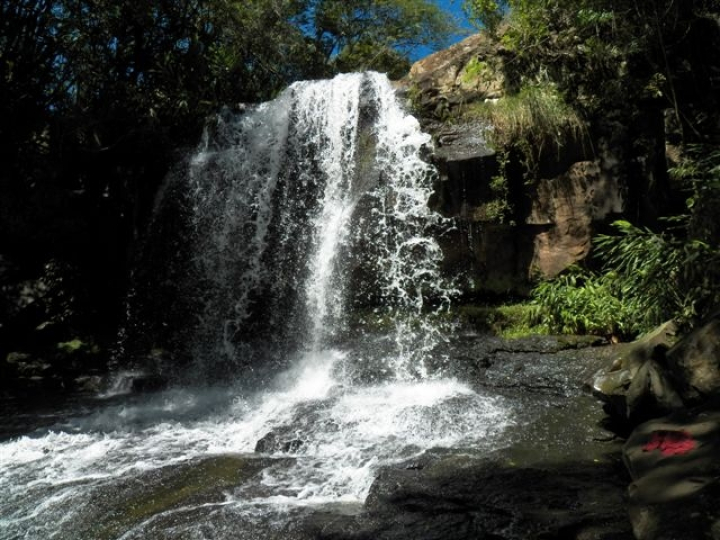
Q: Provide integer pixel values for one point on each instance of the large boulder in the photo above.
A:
(674, 460)
(675, 466)
(471, 70)
(465, 498)
(636, 386)
(694, 363)
(654, 376)
(506, 231)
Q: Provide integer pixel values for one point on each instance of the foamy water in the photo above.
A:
(340, 435)
(296, 212)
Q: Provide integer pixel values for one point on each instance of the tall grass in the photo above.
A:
(536, 117)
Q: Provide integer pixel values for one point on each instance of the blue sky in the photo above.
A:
(454, 8)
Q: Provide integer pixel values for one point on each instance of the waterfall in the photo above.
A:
(291, 221)
(301, 210)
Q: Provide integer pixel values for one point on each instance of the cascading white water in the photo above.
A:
(300, 210)
(308, 204)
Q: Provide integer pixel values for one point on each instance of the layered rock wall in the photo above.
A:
(534, 228)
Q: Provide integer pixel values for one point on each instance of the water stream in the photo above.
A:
(303, 219)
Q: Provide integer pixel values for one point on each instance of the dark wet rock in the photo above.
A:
(148, 382)
(636, 386)
(89, 384)
(694, 363)
(133, 381)
(651, 392)
(675, 467)
(462, 498)
(543, 344)
(284, 439)
(272, 442)
(154, 495)
(553, 365)
(463, 142)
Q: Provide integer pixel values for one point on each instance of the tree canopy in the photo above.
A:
(101, 76)
(98, 98)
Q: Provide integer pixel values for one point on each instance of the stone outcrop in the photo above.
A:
(530, 228)
(673, 456)
(636, 386)
(675, 469)
(694, 363)
(461, 498)
(468, 71)
(652, 376)
(568, 205)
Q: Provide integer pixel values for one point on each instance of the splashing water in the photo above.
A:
(299, 212)
(295, 214)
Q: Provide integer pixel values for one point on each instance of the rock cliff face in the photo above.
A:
(568, 206)
(530, 228)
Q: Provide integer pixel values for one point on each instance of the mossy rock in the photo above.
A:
(509, 320)
(118, 509)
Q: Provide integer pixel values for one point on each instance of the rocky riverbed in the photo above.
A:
(559, 475)
(550, 471)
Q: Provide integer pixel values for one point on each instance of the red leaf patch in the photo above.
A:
(671, 443)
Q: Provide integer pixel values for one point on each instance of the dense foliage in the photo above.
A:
(646, 279)
(531, 123)
(633, 71)
(602, 51)
(95, 95)
(97, 78)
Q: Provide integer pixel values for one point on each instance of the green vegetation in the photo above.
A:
(509, 321)
(499, 209)
(99, 84)
(579, 302)
(71, 346)
(600, 51)
(527, 126)
(532, 120)
(698, 175)
(581, 69)
(473, 70)
(646, 279)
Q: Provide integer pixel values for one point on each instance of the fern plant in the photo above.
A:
(580, 302)
(646, 278)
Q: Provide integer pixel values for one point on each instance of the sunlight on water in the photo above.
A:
(296, 210)
(337, 435)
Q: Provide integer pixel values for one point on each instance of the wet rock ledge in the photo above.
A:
(560, 475)
(462, 498)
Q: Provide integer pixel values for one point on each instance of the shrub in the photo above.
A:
(661, 275)
(534, 119)
(580, 302)
(646, 278)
